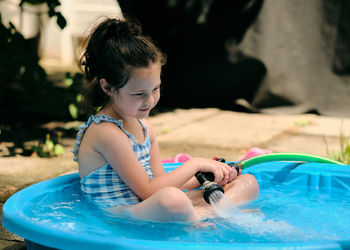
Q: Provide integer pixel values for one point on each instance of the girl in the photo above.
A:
(117, 151)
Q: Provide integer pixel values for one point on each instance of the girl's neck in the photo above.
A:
(131, 124)
(109, 111)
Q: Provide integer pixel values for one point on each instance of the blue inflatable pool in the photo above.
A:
(310, 202)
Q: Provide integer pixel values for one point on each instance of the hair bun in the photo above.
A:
(124, 28)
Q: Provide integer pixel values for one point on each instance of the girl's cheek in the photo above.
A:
(157, 97)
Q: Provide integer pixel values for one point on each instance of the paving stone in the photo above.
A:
(197, 132)
(303, 144)
(169, 122)
(230, 129)
(19, 172)
(326, 126)
(9, 240)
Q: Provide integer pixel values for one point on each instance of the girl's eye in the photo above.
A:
(139, 94)
(155, 89)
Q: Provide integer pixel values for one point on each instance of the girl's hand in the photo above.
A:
(223, 173)
(220, 159)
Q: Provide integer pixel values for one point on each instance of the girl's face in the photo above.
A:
(140, 94)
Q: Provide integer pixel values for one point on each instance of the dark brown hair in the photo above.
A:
(113, 48)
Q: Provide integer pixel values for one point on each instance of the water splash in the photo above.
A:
(249, 222)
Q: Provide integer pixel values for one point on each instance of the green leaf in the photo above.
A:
(165, 130)
(61, 21)
(302, 123)
(49, 144)
(73, 110)
(335, 155)
(78, 98)
(58, 149)
(347, 149)
(51, 12)
(68, 82)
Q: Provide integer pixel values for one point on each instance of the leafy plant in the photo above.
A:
(48, 149)
(52, 5)
(343, 154)
(74, 85)
(25, 90)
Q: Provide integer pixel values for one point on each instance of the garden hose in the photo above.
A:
(207, 179)
(296, 157)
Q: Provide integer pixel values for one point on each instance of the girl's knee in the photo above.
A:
(168, 204)
(250, 179)
(174, 200)
(251, 183)
(244, 188)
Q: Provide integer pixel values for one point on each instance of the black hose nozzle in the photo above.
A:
(206, 180)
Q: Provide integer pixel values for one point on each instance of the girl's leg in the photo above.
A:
(242, 189)
(171, 204)
(168, 204)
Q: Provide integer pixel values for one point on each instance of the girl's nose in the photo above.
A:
(150, 99)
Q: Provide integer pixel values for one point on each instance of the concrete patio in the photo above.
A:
(197, 132)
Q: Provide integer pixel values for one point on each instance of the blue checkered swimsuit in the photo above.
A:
(103, 186)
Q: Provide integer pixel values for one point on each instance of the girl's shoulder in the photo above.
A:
(101, 119)
(107, 127)
(101, 128)
(105, 136)
(94, 132)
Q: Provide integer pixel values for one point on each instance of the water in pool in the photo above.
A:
(284, 214)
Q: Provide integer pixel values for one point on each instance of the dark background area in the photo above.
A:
(197, 36)
(279, 57)
(269, 56)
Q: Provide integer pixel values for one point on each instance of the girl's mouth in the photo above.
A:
(145, 110)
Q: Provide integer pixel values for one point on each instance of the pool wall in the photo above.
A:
(309, 175)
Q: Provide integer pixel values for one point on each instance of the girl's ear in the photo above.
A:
(106, 87)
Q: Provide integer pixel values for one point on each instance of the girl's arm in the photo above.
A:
(115, 147)
(156, 165)
(191, 184)
(156, 162)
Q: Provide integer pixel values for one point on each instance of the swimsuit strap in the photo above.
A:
(98, 119)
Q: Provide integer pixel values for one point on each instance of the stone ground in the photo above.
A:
(197, 132)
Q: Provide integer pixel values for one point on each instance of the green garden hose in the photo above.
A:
(207, 179)
(296, 157)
